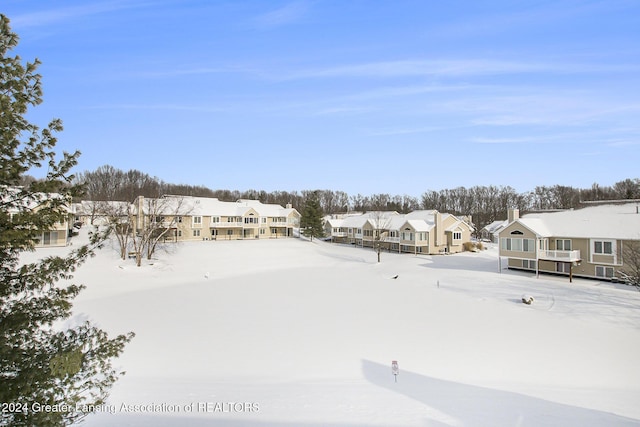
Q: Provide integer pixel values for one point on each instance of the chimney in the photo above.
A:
(512, 215)
(289, 206)
(437, 218)
(139, 202)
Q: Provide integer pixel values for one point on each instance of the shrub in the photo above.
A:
(469, 246)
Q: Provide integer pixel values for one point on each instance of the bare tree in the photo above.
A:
(155, 219)
(120, 218)
(630, 273)
(381, 222)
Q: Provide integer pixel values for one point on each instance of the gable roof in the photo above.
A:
(496, 226)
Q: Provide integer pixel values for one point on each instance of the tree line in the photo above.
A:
(484, 203)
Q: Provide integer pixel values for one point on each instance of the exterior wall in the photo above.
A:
(367, 235)
(412, 241)
(58, 236)
(521, 232)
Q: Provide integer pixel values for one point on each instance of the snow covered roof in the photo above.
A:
(423, 220)
(88, 207)
(615, 221)
(209, 206)
(419, 224)
(14, 202)
(495, 226)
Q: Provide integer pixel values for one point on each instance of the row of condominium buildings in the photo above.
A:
(589, 242)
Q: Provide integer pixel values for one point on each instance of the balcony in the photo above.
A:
(566, 256)
(226, 224)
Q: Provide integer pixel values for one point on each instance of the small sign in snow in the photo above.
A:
(395, 370)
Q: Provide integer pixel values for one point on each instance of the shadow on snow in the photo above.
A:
(456, 404)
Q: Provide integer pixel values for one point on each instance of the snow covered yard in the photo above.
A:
(297, 333)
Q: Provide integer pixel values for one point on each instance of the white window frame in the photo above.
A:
(196, 222)
(564, 245)
(601, 271)
(603, 244)
(517, 244)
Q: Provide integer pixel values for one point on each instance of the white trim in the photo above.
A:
(614, 252)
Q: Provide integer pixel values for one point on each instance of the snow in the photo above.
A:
(288, 332)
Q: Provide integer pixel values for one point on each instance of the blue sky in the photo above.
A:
(366, 97)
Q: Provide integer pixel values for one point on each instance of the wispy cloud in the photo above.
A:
(405, 131)
(451, 68)
(287, 14)
(343, 111)
(624, 142)
(159, 107)
(512, 140)
(64, 14)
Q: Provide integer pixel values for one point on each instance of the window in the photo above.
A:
(528, 245)
(263, 231)
(50, 237)
(407, 236)
(563, 267)
(196, 233)
(215, 219)
(603, 247)
(517, 244)
(197, 221)
(563, 245)
(179, 233)
(529, 264)
(604, 271)
(251, 220)
(457, 235)
(179, 219)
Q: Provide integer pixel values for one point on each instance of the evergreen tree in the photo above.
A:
(311, 220)
(41, 361)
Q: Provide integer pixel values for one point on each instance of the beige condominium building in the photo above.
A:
(58, 233)
(418, 232)
(201, 218)
(587, 242)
